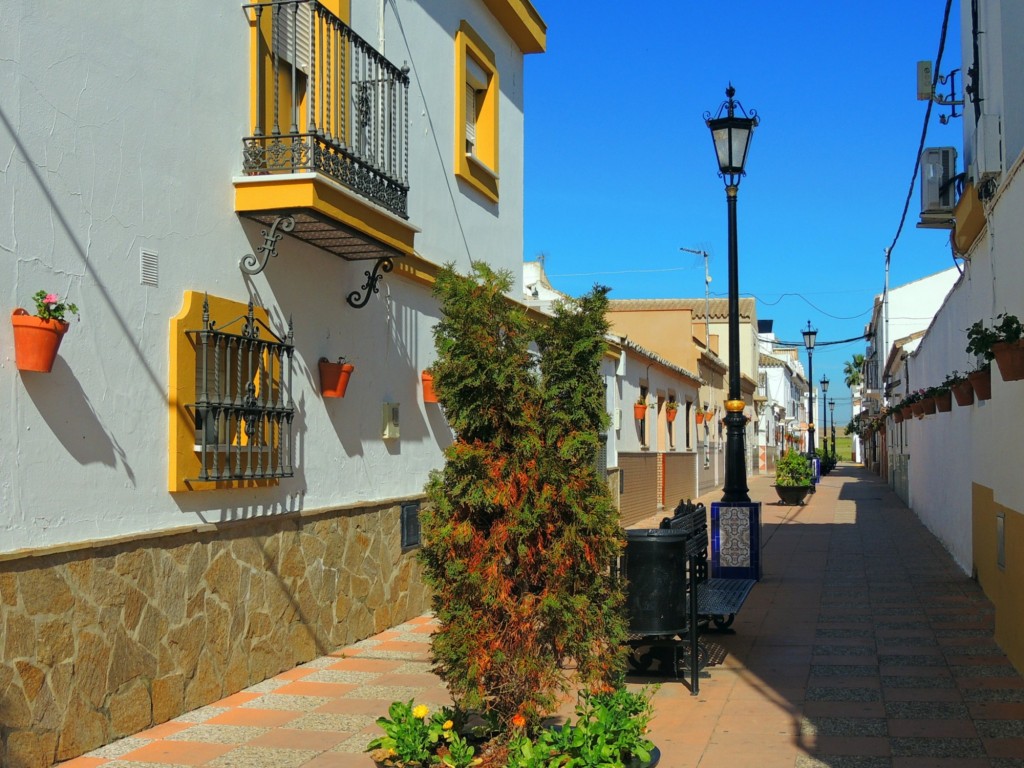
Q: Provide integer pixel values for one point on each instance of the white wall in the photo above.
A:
(980, 443)
(422, 33)
(121, 129)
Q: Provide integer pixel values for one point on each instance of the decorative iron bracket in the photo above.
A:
(371, 285)
(253, 265)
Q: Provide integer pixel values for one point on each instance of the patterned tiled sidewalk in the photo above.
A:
(864, 646)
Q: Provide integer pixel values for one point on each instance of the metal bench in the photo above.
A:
(718, 599)
(665, 568)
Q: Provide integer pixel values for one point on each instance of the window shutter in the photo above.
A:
(470, 118)
(291, 43)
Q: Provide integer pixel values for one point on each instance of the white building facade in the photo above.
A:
(230, 195)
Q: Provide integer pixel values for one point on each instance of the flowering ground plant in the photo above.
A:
(415, 737)
(610, 732)
(50, 306)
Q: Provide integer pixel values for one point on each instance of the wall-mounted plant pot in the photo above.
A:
(334, 377)
(944, 401)
(964, 393)
(1010, 359)
(897, 416)
(928, 406)
(981, 382)
(429, 395)
(639, 411)
(670, 414)
(700, 417)
(907, 411)
(36, 341)
(918, 409)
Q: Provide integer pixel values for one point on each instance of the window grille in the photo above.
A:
(244, 405)
(410, 525)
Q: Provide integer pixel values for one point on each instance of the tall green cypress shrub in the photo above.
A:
(520, 533)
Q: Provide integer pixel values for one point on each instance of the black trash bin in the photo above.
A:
(654, 565)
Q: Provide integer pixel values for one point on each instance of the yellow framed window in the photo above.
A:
(476, 113)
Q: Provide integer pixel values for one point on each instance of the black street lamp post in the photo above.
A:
(810, 334)
(824, 416)
(832, 410)
(731, 133)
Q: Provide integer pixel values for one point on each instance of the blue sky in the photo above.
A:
(620, 169)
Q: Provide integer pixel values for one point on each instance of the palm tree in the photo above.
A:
(852, 371)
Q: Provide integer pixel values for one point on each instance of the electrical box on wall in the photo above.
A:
(390, 422)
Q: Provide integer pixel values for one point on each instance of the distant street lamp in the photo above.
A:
(731, 134)
(810, 334)
(824, 391)
(832, 410)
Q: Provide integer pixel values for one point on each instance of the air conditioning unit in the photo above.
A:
(938, 193)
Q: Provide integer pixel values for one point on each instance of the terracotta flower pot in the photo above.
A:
(964, 393)
(944, 402)
(897, 416)
(907, 411)
(928, 405)
(917, 409)
(639, 411)
(429, 396)
(670, 414)
(1010, 359)
(700, 417)
(36, 341)
(981, 381)
(334, 377)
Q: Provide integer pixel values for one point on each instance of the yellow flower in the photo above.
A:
(448, 725)
(421, 711)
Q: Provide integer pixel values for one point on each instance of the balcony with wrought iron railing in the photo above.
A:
(330, 133)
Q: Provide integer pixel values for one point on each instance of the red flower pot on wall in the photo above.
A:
(36, 341)
(981, 381)
(1010, 359)
(429, 395)
(639, 411)
(334, 377)
(670, 414)
(964, 393)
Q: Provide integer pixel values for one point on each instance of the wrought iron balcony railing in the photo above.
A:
(327, 102)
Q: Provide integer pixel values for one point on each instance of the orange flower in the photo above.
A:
(518, 721)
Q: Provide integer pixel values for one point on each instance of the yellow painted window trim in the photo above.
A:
(522, 22)
(183, 462)
(480, 168)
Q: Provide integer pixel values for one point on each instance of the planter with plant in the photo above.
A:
(37, 337)
(671, 410)
(334, 377)
(1002, 343)
(960, 387)
(520, 531)
(609, 730)
(1009, 350)
(429, 393)
(640, 408)
(792, 477)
